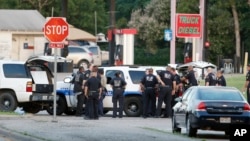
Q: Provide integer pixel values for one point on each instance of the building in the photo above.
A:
(21, 34)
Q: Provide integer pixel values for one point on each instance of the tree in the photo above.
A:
(38, 4)
(151, 22)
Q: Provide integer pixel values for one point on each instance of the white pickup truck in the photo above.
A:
(100, 57)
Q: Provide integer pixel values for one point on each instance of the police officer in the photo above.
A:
(93, 91)
(104, 90)
(91, 68)
(220, 80)
(210, 79)
(149, 83)
(177, 80)
(118, 85)
(78, 82)
(167, 83)
(247, 84)
(191, 77)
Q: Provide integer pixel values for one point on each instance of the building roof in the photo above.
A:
(21, 20)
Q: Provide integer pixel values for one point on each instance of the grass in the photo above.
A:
(233, 80)
(7, 113)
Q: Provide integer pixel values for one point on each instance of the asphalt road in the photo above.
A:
(70, 128)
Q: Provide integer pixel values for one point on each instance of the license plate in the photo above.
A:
(225, 120)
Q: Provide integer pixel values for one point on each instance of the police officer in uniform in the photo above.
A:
(177, 80)
(118, 85)
(149, 83)
(78, 82)
(167, 83)
(191, 77)
(247, 84)
(93, 91)
(220, 80)
(210, 79)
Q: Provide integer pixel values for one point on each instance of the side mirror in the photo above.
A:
(178, 99)
(67, 80)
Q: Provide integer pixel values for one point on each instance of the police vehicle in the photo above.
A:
(132, 103)
(132, 95)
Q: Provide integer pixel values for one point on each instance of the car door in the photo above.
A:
(180, 111)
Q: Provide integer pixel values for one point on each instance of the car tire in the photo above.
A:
(70, 112)
(8, 102)
(191, 132)
(105, 111)
(60, 106)
(133, 106)
(175, 129)
(32, 108)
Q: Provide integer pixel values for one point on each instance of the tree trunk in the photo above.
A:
(237, 35)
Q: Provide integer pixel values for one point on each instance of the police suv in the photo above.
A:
(26, 84)
(132, 95)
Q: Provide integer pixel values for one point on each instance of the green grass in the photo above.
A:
(7, 113)
(233, 80)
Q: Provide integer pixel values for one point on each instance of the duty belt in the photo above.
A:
(149, 87)
(166, 86)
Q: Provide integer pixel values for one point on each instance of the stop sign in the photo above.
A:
(56, 29)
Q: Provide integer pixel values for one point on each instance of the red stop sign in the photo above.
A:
(56, 29)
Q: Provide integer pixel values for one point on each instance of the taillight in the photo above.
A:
(246, 107)
(29, 86)
(90, 53)
(201, 106)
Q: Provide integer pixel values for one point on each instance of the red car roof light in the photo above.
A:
(246, 107)
(201, 106)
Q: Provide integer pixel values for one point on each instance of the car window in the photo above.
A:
(186, 94)
(136, 76)
(93, 50)
(76, 50)
(15, 71)
(215, 94)
(110, 74)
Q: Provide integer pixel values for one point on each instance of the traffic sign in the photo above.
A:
(56, 29)
(168, 34)
(188, 25)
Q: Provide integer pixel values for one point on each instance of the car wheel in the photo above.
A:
(175, 129)
(32, 108)
(105, 111)
(133, 106)
(8, 101)
(60, 106)
(83, 63)
(191, 132)
(70, 112)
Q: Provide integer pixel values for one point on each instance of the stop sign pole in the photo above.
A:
(56, 30)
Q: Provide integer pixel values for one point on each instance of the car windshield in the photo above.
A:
(219, 94)
(94, 50)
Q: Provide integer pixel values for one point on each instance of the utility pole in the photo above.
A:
(112, 28)
(64, 6)
(172, 42)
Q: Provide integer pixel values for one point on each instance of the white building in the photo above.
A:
(21, 34)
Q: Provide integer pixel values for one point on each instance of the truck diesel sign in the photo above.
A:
(188, 25)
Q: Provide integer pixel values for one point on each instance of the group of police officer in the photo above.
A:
(89, 89)
(169, 85)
